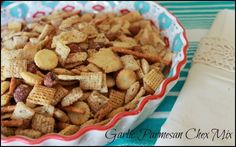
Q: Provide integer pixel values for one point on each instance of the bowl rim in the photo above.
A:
(119, 116)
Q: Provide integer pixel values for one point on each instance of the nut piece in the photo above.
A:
(21, 93)
(125, 79)
(31, 67)
(46, 59)
(50, 79)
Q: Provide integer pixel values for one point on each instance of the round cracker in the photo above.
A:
(46, 59)
(79, 119)
(125, 79)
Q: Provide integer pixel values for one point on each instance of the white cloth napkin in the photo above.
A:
(207, 99)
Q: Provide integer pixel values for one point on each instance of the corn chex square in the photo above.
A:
(153, 79)
(14, 68)
(60, 93)
(116, 98)
(91, 80)
(41, 95)
(43, 123)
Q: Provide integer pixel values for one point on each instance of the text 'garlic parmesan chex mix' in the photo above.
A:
(69, 70)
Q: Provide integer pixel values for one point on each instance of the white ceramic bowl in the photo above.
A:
(170, 27)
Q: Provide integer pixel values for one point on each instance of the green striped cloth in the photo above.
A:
(193, 15)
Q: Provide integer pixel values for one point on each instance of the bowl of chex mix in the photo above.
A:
(71, 71)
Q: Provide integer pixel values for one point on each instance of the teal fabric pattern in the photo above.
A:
(192, 15)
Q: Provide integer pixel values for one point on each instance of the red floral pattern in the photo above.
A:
(38, 14)
(98, 7)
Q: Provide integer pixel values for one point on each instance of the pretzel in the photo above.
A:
(74, 109)
(6, 116)
(150, 58)
(12, 123)
(10, 108)
(13, 84)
